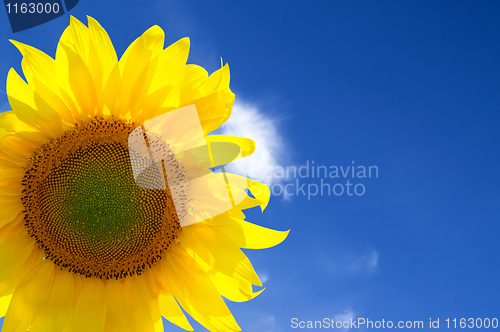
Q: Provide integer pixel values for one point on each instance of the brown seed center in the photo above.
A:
(85, 210)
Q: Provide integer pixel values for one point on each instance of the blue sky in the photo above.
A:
(411, 87)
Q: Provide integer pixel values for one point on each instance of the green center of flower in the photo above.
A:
(92, 200)
(85, 210)
(108, 190)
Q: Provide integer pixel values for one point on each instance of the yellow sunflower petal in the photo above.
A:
(137, 66)
(10, 175)
(9, 285)
(144, 106)
(12, 229)
(111, 93)
(138, 290)
(214, 100)
(248, 235)
(219, 251)
(106, 51)
(92, 302)
(4, 304)
(196, 293)
(144, 48)
(9, 124)
(232, 288)
(77, 290)
(36, 64)
(18, 148)
(10, 195)
(218, 81)
(56, 312)
(9, 214)
(13, 253)
(101, 60)
(76, 82)
(118, 317)
(190, 79)
(261, 193)
(39, 70)
(30, 108)
(29, 298)
(159, 326)
(170, 63)
(247, 146)
(172, 312)
(76, 35)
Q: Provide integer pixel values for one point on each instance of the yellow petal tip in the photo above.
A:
(20, 46)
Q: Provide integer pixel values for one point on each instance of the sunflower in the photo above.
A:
(83, 247)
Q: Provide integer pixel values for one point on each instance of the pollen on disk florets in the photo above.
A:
(84, 209)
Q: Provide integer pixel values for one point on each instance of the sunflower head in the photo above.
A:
(98, 235)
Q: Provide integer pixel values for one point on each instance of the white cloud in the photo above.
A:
(346, 315)
(248, 121)
(342, 264)
(263, 277)
(367, 262)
